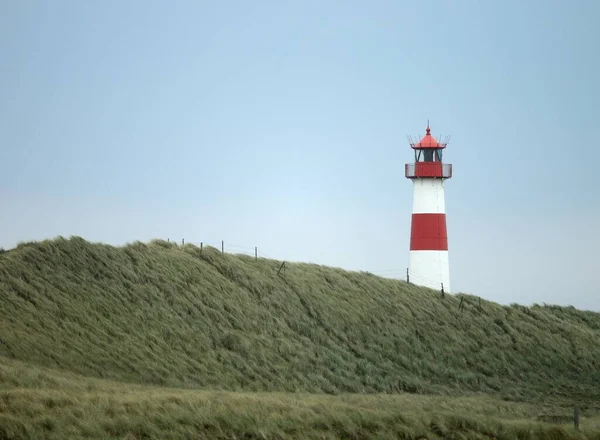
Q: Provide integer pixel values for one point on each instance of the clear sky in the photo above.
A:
(283, 125)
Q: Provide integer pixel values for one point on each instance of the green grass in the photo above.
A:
(37, 402)
(173, 340)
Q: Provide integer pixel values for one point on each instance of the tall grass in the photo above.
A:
(39, 403)
(163, 314)
(154, 340)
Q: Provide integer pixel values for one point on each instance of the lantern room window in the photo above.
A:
(428, 155)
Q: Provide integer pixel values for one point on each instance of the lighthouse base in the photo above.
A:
(429, 269)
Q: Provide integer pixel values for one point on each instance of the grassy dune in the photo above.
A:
(159, 341)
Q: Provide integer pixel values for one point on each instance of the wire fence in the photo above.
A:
(230, 248)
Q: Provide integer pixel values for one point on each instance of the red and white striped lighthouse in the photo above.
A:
(428, 263)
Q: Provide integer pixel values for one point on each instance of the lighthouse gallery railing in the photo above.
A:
(428, 169)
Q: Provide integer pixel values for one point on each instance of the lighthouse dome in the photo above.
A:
(428, 141)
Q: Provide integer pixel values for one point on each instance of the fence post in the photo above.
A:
(182, 241)
(200, 246)
(282, 267)
(255, 252)
(407, 276)
(442, 290)
(576, 417)
(222, 246)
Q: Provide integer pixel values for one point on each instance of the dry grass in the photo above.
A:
(181, 329)
(40, 403)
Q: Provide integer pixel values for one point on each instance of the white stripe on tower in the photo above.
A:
(428, 196)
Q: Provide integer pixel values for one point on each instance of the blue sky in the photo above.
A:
(283, 125)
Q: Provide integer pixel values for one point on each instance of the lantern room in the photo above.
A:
(428, 159)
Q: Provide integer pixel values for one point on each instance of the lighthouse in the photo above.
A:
(428, 263)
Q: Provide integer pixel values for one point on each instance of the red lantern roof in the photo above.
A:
(428, 141)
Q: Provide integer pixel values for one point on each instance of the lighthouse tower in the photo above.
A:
(428, 259)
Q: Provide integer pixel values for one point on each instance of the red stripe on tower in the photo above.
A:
(428, 232)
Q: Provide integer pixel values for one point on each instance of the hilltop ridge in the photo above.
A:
(162, 314)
